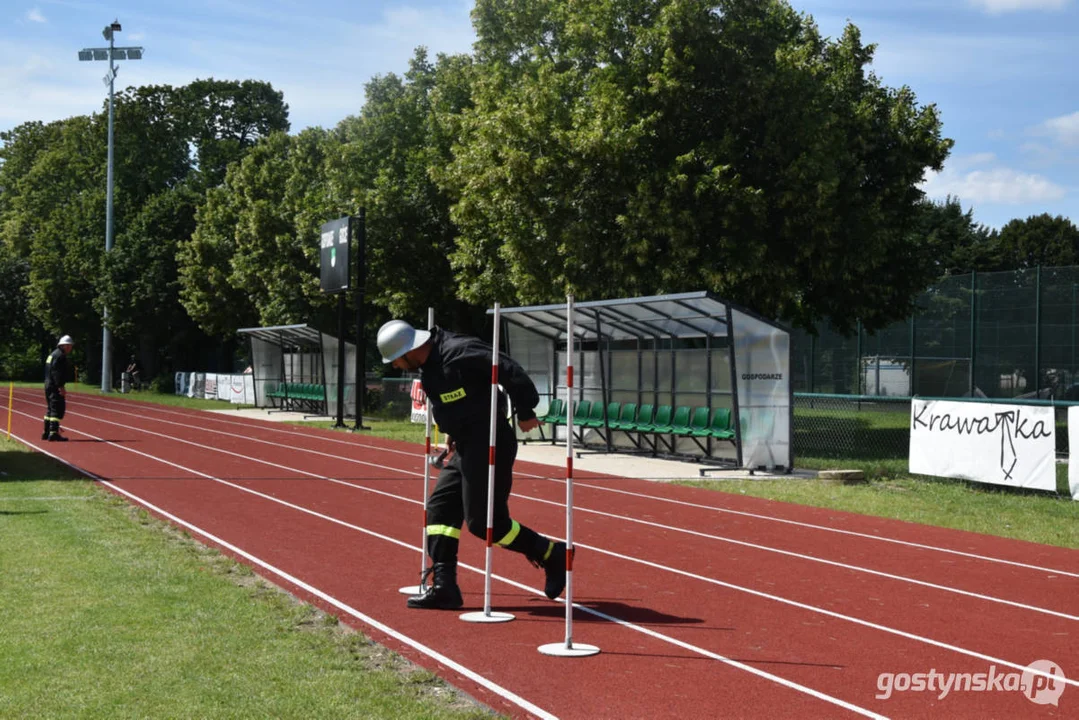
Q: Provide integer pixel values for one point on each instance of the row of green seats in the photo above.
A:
(684, 420)
(298, 391)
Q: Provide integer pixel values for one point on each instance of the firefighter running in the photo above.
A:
(455, 371)
(55, 379)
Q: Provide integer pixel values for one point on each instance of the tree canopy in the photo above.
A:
(608, 148)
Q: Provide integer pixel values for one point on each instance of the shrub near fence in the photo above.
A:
(865, 427)
(393, 400)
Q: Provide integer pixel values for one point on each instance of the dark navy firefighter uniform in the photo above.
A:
(457, 380)
(56, 369)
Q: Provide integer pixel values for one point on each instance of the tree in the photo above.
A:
(385, 165)
(21, 337)
(255, 253)
(223, 119)
(141, 286)
(954, 241)
(1038, 240)
(632, 147)
(255, 249)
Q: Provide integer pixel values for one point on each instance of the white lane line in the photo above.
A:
(622, 623)
(670, 528)
(757, 593)
(658, 498)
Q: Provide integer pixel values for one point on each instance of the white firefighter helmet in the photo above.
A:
(397, 337)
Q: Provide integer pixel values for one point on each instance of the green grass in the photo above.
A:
(389, 429)
(945, 503)
(108, 612)
(170, 399)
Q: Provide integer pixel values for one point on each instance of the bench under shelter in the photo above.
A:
(686, 375)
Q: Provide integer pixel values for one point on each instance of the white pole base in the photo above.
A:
(560, 649)
(480, 616)
(412, 590)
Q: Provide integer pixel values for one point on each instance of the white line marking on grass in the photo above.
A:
(48, 499)
(579, 483)
(757, 593)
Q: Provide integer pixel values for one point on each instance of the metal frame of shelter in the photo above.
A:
(759, 345)
(286, 338)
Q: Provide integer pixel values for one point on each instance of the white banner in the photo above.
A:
(210, 387)
(197, 386)
(419, 404)
(224, 387)
(1073, 455)
(989, 442)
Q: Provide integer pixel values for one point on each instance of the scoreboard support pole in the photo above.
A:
(361, 339)
(335, 243)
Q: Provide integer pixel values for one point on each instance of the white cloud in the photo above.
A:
(1063, 129)
(997, 7)
(1002, 185)
(35, 15)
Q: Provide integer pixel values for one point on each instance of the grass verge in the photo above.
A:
(138, 395)
(403, 430)
(945, 503)
(109, 612)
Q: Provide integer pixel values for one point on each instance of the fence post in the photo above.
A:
(858, 368)
(913, 357)
(1038, 332)
(973, 326)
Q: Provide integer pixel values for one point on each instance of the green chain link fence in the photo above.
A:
(867, 427)
(1006, 336)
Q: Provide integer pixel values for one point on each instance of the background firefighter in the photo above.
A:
(56, 371)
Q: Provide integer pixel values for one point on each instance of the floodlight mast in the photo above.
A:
(111, 54)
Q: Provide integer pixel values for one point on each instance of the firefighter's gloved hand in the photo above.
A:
(438, 462)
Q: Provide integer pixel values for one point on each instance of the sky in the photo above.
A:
(1001, 72)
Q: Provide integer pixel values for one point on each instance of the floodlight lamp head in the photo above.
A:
(115, 27)
(107, 33)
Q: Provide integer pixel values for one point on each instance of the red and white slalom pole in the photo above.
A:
(567, 648)
(418, 589)
(486, 616)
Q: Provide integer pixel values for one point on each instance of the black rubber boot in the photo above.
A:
(54, 433)
(48, 428)
(554, 567)
(443, 593)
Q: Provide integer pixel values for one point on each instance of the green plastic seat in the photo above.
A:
(680, 423)
(626, 417)
(644, 418)
(580, 415)
(721, 427)
(661, 423)
(553, 412)
(595, 417)
(698, 423)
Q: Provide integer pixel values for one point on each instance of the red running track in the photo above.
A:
(704, 604)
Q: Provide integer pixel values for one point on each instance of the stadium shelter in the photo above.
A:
(684, 375)
(295, 368)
